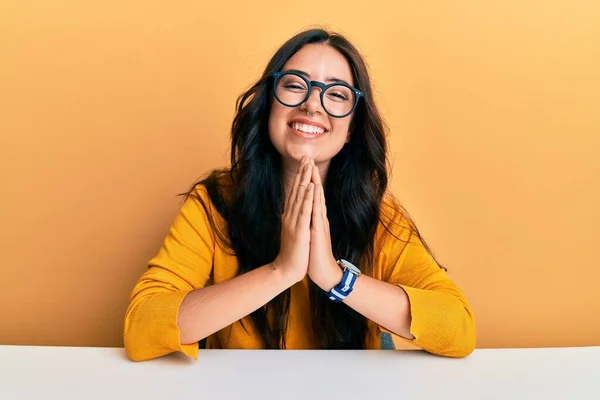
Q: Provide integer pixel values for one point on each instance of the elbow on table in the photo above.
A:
(134, 346)
(139, 348)
(136, 341)
(464, 338)
(464, 342)
(460, 349)
(454, 338)
(133, 355)
(141, 345)
(465, 349)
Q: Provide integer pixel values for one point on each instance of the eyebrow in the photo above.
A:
(329, 79)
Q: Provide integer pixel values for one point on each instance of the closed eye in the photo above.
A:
(337, 96)
(294, 86)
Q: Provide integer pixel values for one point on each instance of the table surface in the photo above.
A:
(30, 372)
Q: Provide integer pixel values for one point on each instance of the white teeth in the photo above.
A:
(307, 128)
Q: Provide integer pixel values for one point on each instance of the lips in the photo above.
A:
(307, 127)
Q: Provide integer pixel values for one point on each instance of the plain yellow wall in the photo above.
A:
(109, 109)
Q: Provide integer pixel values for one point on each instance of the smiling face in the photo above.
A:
(317, 135)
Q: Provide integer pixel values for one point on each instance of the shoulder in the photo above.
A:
(209, 199)
(398, 235)
(396, 229)
(394, 220)
(215, 191)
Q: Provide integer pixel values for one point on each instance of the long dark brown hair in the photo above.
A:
(250, 195)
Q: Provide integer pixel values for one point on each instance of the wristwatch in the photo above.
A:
(346, 285)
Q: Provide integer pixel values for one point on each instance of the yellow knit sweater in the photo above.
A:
(191, 255)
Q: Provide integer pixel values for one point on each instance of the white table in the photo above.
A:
(105, 373)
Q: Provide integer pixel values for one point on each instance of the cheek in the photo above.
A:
(341, 128)
(277, 116)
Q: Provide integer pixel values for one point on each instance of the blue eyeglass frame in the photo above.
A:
(310, 84)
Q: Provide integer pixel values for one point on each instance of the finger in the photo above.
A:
(297, 192)
(306, 209)
(317, 211)
(310, 162)
(324, 205)
(316, 176)
(319, 191)
(299, 170)
(294, 191)
(302, 187)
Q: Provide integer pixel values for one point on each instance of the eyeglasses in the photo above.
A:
(292, 89)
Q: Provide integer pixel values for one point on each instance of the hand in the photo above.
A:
(322, 266)
(295, 228)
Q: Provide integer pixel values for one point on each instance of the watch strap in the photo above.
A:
(344, 288)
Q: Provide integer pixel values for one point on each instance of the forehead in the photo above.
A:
(321, 61)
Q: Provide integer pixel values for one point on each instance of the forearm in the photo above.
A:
(437, 321)
(383, 303)
(207, 310)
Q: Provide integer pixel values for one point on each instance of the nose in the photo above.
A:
(313, 103)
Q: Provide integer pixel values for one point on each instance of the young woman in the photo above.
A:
(303, 246)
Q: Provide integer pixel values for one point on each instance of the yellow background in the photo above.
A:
(109, 109)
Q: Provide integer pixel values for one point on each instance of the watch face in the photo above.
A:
(348, 265)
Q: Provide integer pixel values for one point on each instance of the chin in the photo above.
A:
(295, 152)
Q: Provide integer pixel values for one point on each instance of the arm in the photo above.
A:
(414, 298)
(421, 306)
(205, 311)
(385, 304)
(208, 310)
(170, 309)
(409, 294)
(182, 265)
(442, 320)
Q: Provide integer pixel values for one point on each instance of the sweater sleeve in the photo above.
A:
(442, 321)
(183, 263)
